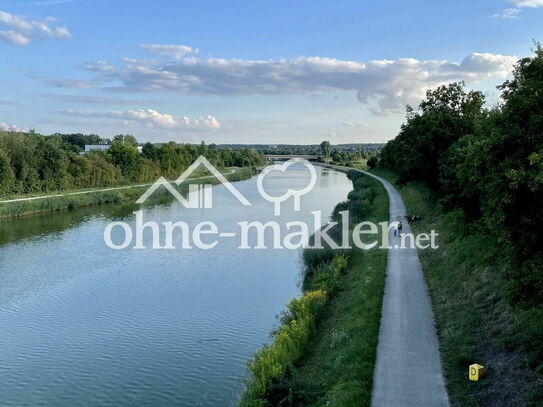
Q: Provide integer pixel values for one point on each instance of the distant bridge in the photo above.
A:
(285, 157)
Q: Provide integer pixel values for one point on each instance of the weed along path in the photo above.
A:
(408, 368)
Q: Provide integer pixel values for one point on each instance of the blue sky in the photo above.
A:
(248, 72)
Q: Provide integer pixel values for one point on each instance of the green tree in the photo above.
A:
(507, 172)
(325, 148)
(125, 138)
(7, 177)
(149, 151)
(126, 157)
(202, 149)
(447, 114)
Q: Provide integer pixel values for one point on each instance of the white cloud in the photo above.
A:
(21, 30)
(169, 50)
(99, 66)
(62, 32)
(8, 127)
(527, 3)
(152, 118)
(14, 37)
(484, 65)
(508, 14)
(385, 84)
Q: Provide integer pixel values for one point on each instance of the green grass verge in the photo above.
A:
(332, 363)
(52, 204)
(359, 165)
(475, 323)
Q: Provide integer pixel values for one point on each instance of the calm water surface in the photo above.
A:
(84, 325)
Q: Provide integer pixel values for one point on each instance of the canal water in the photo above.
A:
(84, 325)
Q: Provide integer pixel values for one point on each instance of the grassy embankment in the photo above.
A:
(98, 197)
(359, 165)
(475, 323)
(324, 352)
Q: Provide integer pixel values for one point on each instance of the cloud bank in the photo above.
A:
(386, 85)
(19, 30)
(152, 118)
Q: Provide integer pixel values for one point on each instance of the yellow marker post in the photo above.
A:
(476, 372)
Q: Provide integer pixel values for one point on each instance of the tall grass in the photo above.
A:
(272, 361)
(291, 340)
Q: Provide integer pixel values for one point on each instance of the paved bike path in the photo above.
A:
(408, 368)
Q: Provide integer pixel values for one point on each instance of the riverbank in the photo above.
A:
(324, 351)
(475, 322)
(36, 204)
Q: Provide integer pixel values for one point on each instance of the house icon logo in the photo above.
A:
(200, 195)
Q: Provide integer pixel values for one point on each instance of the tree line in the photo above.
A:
(33, 163)
(488, 163)
(309, 149)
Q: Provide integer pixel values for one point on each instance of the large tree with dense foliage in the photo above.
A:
(125, 155)
(325, 148)
(504, 168)
(447, 114)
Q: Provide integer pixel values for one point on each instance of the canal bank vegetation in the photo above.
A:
(323, 353)
(98, 197)
(31, 163)
(476, 176)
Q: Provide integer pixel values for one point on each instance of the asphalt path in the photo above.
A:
(408, 369)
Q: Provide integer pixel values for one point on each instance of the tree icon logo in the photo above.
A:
(296, 194)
